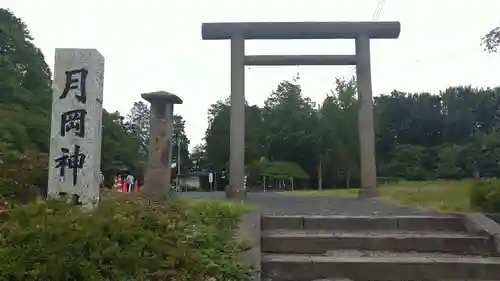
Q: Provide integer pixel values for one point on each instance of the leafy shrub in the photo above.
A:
(414, 173)
(125, 238)
(386, 180)
(485, 195)
(23, 175)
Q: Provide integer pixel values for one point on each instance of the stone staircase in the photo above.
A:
(296, 248)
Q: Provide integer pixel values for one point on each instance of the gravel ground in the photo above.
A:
(279, 203)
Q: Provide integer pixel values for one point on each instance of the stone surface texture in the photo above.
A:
(316, 242)
(158, 170)
(237, 123)
(481, 224)
(396, 250)
(299, 30)
(88, 177)
(249, 229)
(366, 129)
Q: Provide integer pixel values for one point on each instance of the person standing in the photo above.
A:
(101, 180)
(130, 182)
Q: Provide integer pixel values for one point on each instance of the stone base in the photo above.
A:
(367, 193)
(249, 230)
(236, 193)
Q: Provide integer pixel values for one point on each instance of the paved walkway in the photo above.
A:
(275, 203)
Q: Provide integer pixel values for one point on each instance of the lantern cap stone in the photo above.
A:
(162, 96)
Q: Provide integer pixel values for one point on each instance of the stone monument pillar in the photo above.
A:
(158, 170)
(75, 137)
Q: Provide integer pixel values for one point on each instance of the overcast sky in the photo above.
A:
(154, 45)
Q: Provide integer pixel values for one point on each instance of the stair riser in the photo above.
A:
(316, 245)
(365, 223)
(301, 271)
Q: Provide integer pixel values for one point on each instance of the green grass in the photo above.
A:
(443, 195)
(342, 192)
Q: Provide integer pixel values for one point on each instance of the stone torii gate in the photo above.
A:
(361, 32)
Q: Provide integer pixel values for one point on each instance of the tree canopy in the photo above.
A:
(450, 134)
(491, 41)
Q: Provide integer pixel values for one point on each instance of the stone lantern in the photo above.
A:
(158, 170)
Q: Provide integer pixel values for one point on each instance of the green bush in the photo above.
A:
(386, 180)
(414, 173)
(485, 195)
(125, 238)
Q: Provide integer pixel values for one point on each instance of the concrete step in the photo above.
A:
(450, 223)
(346, 279)
(376, 265)
(320, 241)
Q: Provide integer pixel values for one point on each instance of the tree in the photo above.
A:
(198, 158)
(450, 134)
(121, 148)
(451, 161)
(491, 40)
(25, 87)
(217, 134)
(180, 145)
(138, 124)
(291, 123)
(340, 148)
(25, 100)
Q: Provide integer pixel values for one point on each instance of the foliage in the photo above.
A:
(338, 134)
(485, 195)
(21, 174)
(278, 170)
(387, 180)
(138, 124)
(25, 87)
(120, 148)
(297, 134)
(453, 134)
(198, 157)
(125, 238)
(217, 136)
(491, 40)
(180, 145)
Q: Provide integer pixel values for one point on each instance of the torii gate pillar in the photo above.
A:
(361, 32)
